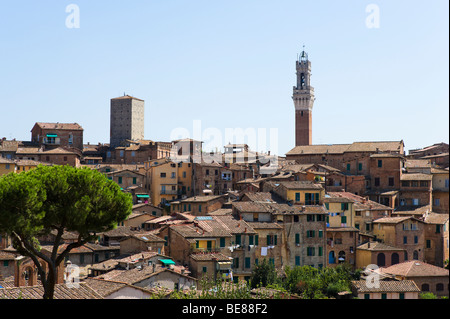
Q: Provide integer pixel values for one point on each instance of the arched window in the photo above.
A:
(341, 256)
(381, 260)
(395, 259)
(416, 255)
(425, 287)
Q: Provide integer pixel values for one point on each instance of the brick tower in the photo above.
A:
(303, 100)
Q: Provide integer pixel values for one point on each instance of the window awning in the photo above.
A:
(142, 196)
(52, 135)
(167, 261)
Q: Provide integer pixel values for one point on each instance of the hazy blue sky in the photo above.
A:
(230, 64)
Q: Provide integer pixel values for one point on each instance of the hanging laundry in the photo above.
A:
(263, 251)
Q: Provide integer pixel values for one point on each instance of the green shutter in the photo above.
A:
(247, 262)
(344, 219)
(320, 233)
(238, 239)
(222, 242)
(275, 240)
(320, 251)
(250, 240)
(268, 240)
(297, 238)
(327, 205)
(256, 240)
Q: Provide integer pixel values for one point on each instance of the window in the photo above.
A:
(310, 218)
(173, 175)
(310, 251)
(222, 242)
(343, 219)
(320, 251)
(446, 183)
(120, 179)
(297, 239)
(383, 296)
(133, 153)
(366, 296)
(272, 261)
(437, 202)
(247, 262)
(327, 206)
(162, 175)
(7, 166)
(391, 181)
(6, 263)
(184, 174)
(344, 206)
(236, 262)
(207, 172)
(297, 260)
(348, 167)
(416, 239)
(380, 163)
(440, 287)
(438, 229)
(423, 183)
(205, 269)
(134, 180)
(428, 243)
(121, 153)
(297, 197)
(320, 233)
(296, 219)
(238, 239)
(377, 181)
(271, 240)
(199, 208)
(415, 201)
(310, 234)
(405, 240)
(359, 166)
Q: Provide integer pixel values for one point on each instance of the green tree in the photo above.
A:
(263, 274)
(58, 199)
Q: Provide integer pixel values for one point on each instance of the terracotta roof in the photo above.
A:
(415, 268)
(377, 246)
(361, 203)
(416, 177)
(342, 148)
(60, 126)
(264, 225)
(62, 291)
(6, 161)
(387, 286)
(126, 97)
(394, 220)
(434, 218)
(264, 197)
(299, 185)
(210, 256)
(201, 199)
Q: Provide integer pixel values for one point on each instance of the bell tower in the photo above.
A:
(303, 97)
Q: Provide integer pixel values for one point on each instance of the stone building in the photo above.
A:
(57, 135)
(416, 190)
(440, 190)
(403, 232)
(380, 254)
(127, 120)
(436, 239)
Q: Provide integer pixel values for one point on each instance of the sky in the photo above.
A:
(380, 69)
